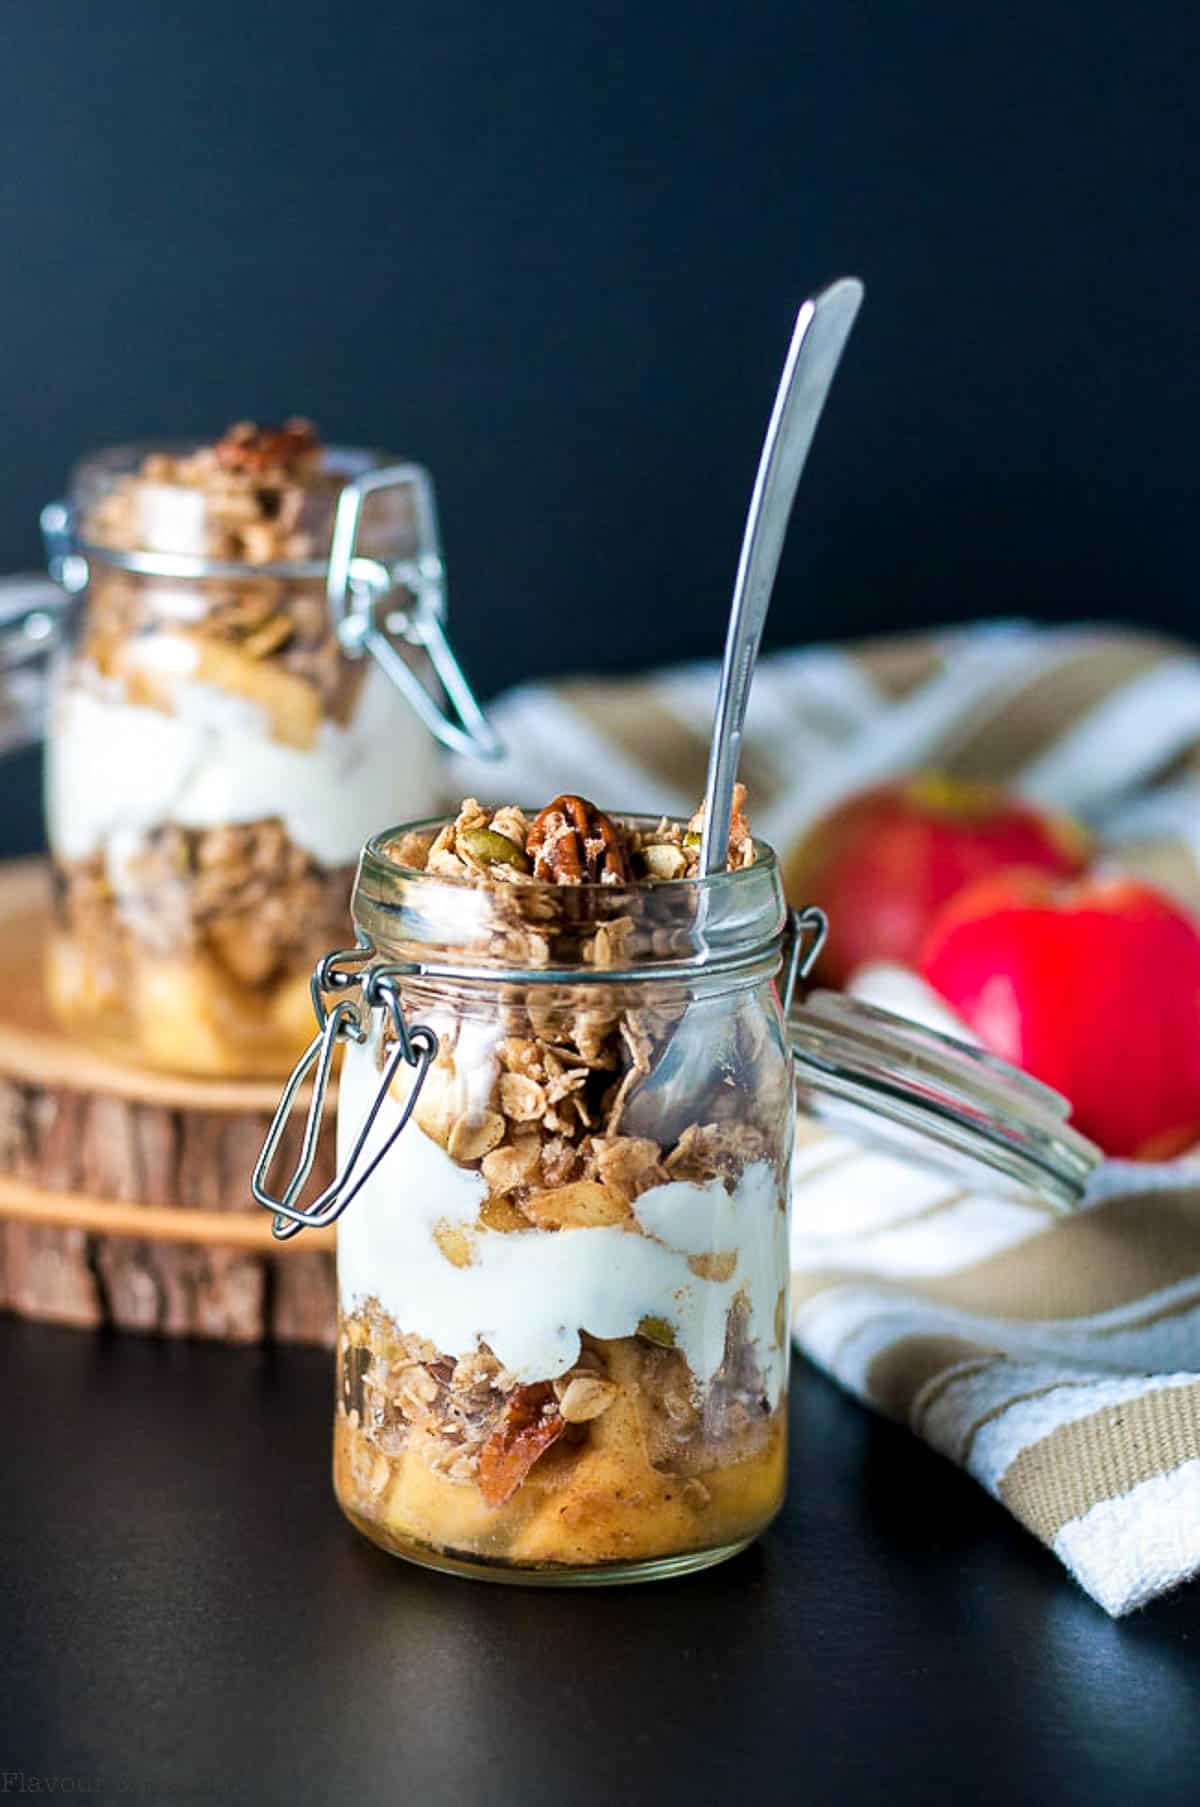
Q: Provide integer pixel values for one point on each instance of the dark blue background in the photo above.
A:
(555, 251)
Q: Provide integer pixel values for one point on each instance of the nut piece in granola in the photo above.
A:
(261, 451)
(575, 843)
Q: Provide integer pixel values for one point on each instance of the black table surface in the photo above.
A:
(185, 1616)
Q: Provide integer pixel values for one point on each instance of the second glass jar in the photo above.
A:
(217, 751)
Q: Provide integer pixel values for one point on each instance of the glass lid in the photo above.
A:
(888, 1081)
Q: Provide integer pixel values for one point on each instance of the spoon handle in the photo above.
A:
(822, 328)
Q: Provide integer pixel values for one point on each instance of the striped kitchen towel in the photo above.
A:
(1058, 1360)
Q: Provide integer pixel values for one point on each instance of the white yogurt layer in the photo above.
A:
(117, 770)
(528, 1293)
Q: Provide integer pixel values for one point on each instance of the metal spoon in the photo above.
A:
(659, 1106)
(818, 340)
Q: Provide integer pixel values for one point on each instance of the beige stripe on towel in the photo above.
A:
(1035, 716)
(906, 1368)
(1098, 1458)
(1112, 1255)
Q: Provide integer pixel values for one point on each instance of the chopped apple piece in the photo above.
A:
(292, 706)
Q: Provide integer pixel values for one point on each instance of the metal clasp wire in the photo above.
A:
(813, 923)
(359, 591)
(343, 1021)
(32, 616)
(64, 561)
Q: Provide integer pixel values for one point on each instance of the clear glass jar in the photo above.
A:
(219, 745)
(565, 1131)
(562, 1349)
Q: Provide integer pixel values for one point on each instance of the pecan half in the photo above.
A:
(574, 843)
(530, 1423)
(254, 449)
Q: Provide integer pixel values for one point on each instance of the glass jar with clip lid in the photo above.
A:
(253, 671)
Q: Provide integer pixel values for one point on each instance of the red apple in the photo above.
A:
(1093, 988)
(882, 864)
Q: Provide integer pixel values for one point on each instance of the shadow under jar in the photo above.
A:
(218, 744)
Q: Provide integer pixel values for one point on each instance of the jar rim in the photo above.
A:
(766, 859)
(728, 924)
(96, 472)
(123, 458)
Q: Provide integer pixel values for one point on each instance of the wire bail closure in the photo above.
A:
(811, 925)
(345, 1020)
(361, 592)
(32, 619)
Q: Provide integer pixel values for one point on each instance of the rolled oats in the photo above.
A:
(512, 1165)
(522, 1099)
(585, 1397)
(628, 1163)
(469, 1140)
(560, 1161)
(498, 1211)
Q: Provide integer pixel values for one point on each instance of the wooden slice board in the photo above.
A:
(124, 1194)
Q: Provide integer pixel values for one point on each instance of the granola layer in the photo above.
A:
(612, 1462)
(195, 948)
